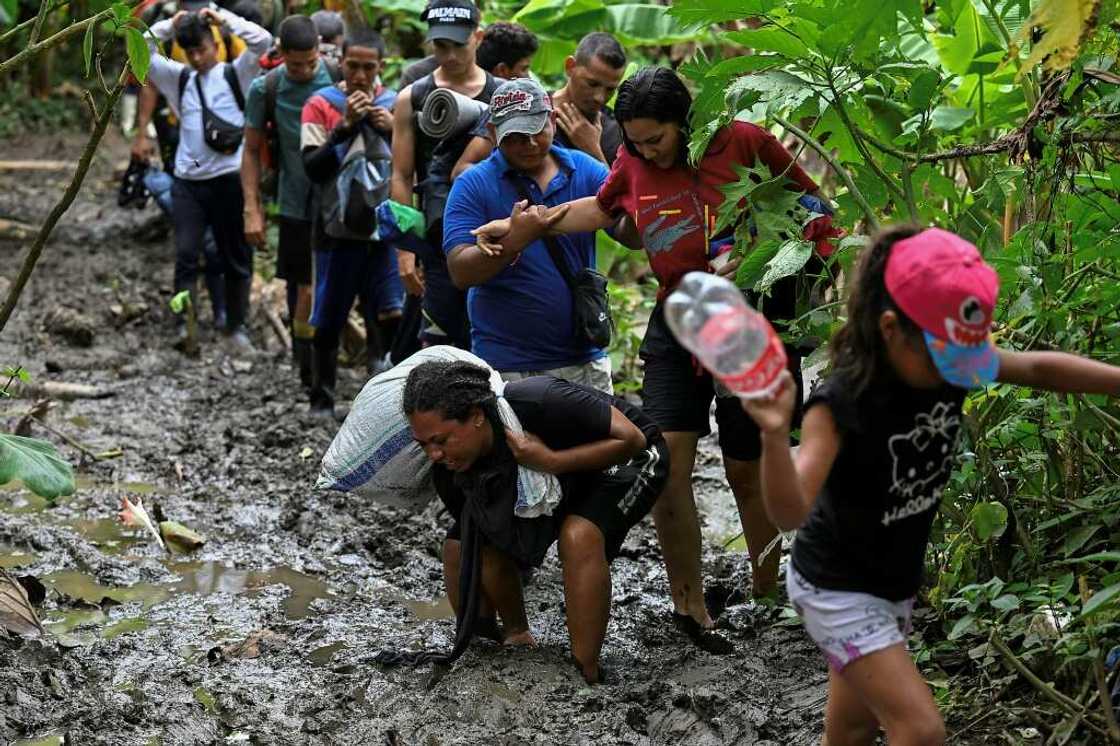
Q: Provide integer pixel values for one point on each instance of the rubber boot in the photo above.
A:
(324, 377)
(237, 311)
(301, 356)
(182, 340)
(216, 287)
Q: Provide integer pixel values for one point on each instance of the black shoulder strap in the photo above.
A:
(184, 78)
(227, 43)
(420, 91)
(271, 90)
(553, 245)
(230, 73)
(333, 70)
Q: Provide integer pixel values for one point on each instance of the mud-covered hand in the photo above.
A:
(583, 133)
(773, 413)
(531, 452)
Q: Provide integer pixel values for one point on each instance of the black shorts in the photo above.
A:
(677, 394)
(293, 255)
(615, 500)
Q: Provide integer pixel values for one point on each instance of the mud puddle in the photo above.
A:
(302, 588)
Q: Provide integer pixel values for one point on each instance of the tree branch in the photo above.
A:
(63, 204)
(842, 172)
(16, 29)
(40, 19)
(33, 49)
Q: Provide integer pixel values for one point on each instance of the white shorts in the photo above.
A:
(595, 374)
(847, 625)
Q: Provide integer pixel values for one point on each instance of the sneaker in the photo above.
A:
(321, 411)
(239, 340)
(219, 320)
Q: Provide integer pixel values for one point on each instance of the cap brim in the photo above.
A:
(524, 124)
(455, 32)
(966, 367)
(193, 5)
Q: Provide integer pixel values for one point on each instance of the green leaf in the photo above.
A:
(770, 39)
(635, 23)
(87, 47)
(9, 12)
(182, 538)
(139, 56)
(1078, 538)
(121, 12)
(1101, 600)
(754, 263)
(949, 118)
(969, 50)
(963, 626)
(1006, 602)
(180, 301)
(37, 464)
(562, 19)
(990, 520)
(719, 11)
(1112, 556)
(791, 257)
(923, 89)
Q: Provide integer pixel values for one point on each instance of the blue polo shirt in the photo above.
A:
(521, 319)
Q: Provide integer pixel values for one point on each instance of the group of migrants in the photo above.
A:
(509, 209)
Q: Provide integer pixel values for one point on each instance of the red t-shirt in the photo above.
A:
(675, 209)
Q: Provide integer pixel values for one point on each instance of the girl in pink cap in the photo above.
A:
(878, 442)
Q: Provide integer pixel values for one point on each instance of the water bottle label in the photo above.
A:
(761, 376)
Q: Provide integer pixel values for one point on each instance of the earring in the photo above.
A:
(478, 424)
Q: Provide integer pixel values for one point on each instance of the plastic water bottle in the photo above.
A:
(710, 317)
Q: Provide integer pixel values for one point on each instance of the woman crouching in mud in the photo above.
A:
(611, 461)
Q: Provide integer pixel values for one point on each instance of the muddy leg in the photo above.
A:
(452, 551)
(678, 530)
(744, 478)
(587, 590)
(501, 582)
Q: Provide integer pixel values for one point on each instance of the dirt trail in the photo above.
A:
(222, 445)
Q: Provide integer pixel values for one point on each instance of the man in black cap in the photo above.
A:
(423, 165)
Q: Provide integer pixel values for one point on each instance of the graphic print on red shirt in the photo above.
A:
(675, 209)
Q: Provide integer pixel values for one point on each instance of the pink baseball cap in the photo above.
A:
(940, 281)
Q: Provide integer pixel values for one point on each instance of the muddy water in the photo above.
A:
(220, 447)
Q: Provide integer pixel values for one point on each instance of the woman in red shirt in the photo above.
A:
(674, 207)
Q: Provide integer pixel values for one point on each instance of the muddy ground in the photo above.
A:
(315, 582)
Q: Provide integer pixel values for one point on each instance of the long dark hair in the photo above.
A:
(451, 387)
(856, 350)
(655, 93)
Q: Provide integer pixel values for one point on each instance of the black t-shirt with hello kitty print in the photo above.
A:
(870, 525)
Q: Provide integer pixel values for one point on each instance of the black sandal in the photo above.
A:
(705, 639)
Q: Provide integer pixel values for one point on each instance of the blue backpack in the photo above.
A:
(348, 202)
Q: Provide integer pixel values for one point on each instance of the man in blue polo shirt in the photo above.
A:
(519, 305)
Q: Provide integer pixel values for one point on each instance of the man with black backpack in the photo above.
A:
(208, 98)
(345, 143)
(272, 129)
(423, 164)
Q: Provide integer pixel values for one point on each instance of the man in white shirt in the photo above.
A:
(207, 189)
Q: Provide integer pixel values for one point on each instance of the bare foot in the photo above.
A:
(523, 638)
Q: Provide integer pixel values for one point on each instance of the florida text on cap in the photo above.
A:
(940, 281)
(520, 106)
(453, 20)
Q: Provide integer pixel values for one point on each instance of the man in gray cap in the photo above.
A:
(521, 308)
(423, 164)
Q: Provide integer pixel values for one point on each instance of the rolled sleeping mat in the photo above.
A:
(447, 114)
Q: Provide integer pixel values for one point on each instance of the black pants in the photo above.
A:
(215, 203)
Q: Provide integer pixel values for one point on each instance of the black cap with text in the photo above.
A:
(454, 20)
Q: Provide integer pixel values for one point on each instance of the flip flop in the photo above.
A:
(705, 639)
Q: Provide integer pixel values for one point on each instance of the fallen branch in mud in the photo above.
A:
(278, 327)
(57, 390)
(13, 230)
(36, 165)
(63, 204)
(83, 449)
(1071, 706)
